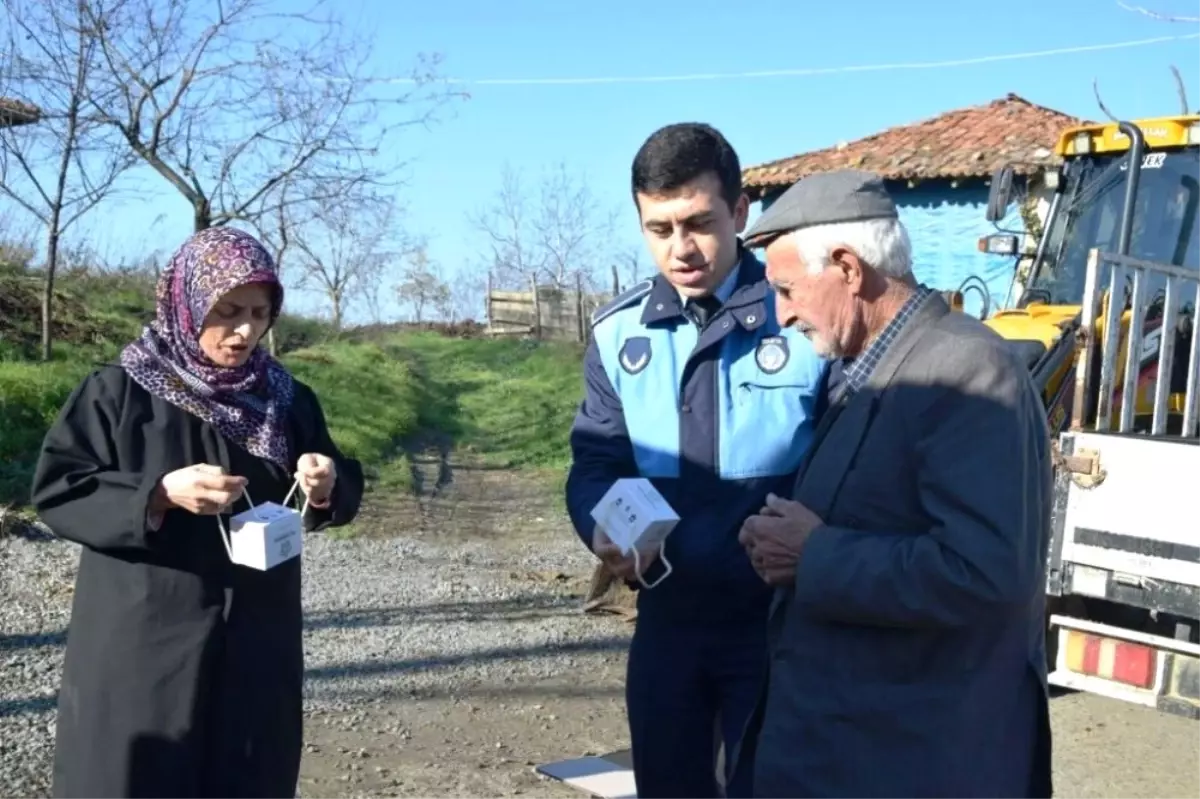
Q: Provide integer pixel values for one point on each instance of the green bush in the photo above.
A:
(30, 398)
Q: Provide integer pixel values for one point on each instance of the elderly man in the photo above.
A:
(907, 638)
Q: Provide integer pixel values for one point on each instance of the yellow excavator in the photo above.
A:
(1126, 188)
(1106, 310)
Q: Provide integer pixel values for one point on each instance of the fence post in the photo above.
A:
(487, 302)
(537, 308)
(581, 324)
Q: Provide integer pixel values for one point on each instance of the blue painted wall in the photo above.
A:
(945, 225)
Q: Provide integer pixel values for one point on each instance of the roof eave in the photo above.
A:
(756, 188)
(14, 113)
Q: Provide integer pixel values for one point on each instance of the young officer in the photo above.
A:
(690, 382)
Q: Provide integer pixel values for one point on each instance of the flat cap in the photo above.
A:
(825, 198)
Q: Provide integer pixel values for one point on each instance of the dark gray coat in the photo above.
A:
(908, 659)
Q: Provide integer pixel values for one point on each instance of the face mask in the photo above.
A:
(265, 535)
(633, 514)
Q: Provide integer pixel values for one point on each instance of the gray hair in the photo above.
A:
(882, 243)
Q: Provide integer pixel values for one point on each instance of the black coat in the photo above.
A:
(184, 672)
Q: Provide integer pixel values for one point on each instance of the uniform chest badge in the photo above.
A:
(772, 354)
(635, 354)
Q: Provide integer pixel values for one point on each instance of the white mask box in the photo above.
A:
(633, 514)
(265, 536)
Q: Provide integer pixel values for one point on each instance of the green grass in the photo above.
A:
(510, 402)
(30, 397)
(370, 398)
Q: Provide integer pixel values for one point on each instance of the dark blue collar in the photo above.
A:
(747, 304)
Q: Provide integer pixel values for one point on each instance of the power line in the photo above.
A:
(802, 72)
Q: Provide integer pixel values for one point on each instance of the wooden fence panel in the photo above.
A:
(550, 313)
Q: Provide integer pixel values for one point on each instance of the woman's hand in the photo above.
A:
(316, 475)
(202, 489)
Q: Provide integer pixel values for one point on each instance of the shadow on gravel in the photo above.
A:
(375, 668)
(13, 526)
(521, 607)
(41, 704)
(29, 705)
(484, 692)
(514, 609)
(30, 640)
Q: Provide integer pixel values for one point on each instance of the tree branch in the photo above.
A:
(230, 102)
(1100, 102)
(1182, 91)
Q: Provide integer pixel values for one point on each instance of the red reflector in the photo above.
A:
(1091, 655)
(1133, 664)
(1111, 659)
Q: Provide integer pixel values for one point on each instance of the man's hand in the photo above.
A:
(621, 566)
(774, 537)
(203, 489)
(316, 475)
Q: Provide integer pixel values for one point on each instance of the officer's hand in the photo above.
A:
(621, 566)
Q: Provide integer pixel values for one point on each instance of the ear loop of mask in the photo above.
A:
(225, 539)
(637, 566)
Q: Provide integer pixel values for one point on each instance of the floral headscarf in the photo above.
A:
(247, 404)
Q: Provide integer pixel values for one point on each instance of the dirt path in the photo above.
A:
(470, 735)
(456, 496)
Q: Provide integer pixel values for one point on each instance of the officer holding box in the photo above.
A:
(691, 383)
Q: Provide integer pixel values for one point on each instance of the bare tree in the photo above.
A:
(421, 289)
(468, 288)
(574, 232)
(345, 248)
(59, 168)
(629, 267)
(275, 230)
(229, 102)
(559, 233)
(509, 229)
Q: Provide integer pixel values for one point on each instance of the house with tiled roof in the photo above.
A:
(938, 170)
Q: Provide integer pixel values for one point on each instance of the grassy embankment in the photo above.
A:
(508, 402)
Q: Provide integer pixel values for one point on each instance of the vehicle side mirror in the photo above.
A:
(999, 244)
(1000, 193)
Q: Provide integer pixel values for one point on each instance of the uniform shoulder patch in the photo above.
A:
(623, 300)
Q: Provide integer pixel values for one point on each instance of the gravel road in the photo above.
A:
(450, 660)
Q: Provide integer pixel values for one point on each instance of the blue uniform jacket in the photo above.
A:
(716, 420)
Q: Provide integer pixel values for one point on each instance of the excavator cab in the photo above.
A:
(1130, 189)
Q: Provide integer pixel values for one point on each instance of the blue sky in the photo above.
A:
(595, 129)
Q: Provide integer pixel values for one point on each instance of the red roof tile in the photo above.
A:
(15, 112)
(969, 142)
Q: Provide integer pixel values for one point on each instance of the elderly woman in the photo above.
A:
(184, 671)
